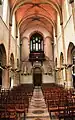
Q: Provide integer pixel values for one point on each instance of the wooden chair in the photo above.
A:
(52, 106)
(12, 112)
(4, 115)
(20, 110)
(67, 112)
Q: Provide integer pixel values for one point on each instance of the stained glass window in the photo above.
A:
(36, 42)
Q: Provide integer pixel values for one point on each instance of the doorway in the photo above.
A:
(37, 77)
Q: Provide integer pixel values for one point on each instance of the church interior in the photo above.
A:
(37, 60)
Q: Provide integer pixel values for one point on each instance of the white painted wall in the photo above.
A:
(26, 79)
(35, 28)
(48, 79)
(29, 79)
(25, 49)
(48, 48)
(13, 30)
(65, 12)
(58, 26)
(5, 6)
(1, 10)
(6, 12)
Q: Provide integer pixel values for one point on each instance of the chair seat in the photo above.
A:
(62, 115)
(12, 116)
(53, 109)
(4, 115)
(10, 110)
(61, 108)
(20, 110)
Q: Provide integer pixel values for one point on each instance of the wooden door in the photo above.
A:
(37, 79)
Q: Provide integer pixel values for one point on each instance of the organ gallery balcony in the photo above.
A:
(36, 56)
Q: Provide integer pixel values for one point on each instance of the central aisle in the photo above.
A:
(37, 107)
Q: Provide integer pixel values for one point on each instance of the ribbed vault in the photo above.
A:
(36, 12)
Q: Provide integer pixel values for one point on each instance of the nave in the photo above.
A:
(46, 102)
(37, 108)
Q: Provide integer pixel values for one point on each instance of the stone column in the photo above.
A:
(9, 45)
(57, 71)
(58, 76)
(63, 43)
(65, 76)
(73, 11)
(69, 78)
(56, 42)
(15, 73)
(64, 54)
(16, 77)
(61, 77)
(5, 82)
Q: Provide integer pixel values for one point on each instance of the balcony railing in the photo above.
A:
(36, 56)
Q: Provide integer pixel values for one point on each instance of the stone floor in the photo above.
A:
(37, 107)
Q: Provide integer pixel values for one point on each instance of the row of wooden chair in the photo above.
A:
(60, 101)
(14, 103)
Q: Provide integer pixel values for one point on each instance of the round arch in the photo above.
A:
(3, 59)
(69, 51)
(34, 32)
(70, 74)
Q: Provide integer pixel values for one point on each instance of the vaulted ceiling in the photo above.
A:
(36, 12)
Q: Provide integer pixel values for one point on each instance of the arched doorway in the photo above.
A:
(37, 76)
(2, 65)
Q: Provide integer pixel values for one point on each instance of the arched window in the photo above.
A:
(36, 43)
(36, 48)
